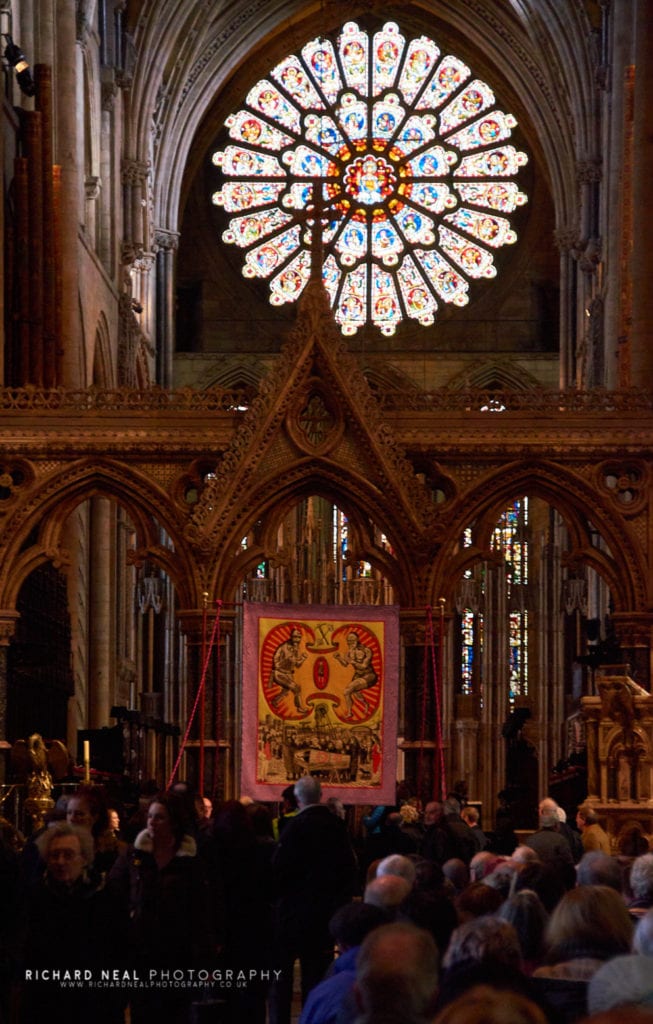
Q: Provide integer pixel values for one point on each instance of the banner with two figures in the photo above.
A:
(320, 697)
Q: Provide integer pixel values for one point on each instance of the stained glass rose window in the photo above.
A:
(403, 157)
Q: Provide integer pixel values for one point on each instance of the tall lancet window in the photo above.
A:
(401, 154)
(497, 602)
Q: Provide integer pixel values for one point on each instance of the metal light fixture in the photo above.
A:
(16, 58)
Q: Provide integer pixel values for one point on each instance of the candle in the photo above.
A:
(87, 760)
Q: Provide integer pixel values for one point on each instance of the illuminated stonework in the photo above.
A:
(407, 157)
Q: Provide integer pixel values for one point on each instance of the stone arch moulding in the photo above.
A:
(274, 501)
(578, 503)
(50, 503)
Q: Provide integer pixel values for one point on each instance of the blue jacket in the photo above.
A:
(325, 999)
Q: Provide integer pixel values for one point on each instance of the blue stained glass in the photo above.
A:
(398, 140)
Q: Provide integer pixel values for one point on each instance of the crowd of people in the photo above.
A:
(183, 912)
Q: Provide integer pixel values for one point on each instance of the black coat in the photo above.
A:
(314, 872)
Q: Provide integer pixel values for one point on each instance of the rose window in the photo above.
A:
(390, 149)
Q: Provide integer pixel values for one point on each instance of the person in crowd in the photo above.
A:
(397, 975)
(481, 865)
(439, 843)
(70, 924)
(87, 808)
(471, 818)
(431, 909)
(643, 937)
(348, 927)
(484, 951)
(477, 900)
(241, 882)
(457, 873)
(589, 925)
(525, 912)
(503, 877)
(596, 868)
(549, 884)
(572, 834)
(549, 843)
(632, 842)
(397, 864)
(336, 807)
(486, 1005)
(504, 837)
(459, 829)
(164, 884)
(12, 900)
(314, 872)
(524, 855)
(287, 811)
(641, 884)
(624, 981)
(387, 892)
(593, 837)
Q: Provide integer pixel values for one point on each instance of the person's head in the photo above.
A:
(470, 816)
(479, 865)
(307, 791)
(166, 819)
(433, 812)
(549, 884)
(457, 872)
(631, 841)
(397, 864)
(353, 922)
(596, 868)
(387, 892)
(288, 800)
(589, 918)
(525, 912)
(524, 855)
(477, 900)
(114, 819)
(87, 808)
(486, 1005)
(586, 816)
(336, 807)
(548, 812)
(481, 940)
(67, 850)
(397, 973)
(502, 878)
(643, 937)
(622, 981)
(641, 878)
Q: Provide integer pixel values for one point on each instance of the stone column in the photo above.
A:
(8, 621)
(165, 245)
(565, 238)
(71, 191)
(101, 662)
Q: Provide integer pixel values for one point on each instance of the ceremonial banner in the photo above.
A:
(320, 698)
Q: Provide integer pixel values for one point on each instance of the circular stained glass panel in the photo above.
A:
(395, 153)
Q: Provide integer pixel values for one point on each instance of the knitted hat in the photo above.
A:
(622, 980)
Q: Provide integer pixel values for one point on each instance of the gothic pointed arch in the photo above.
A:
(578, 503)
(49, 505)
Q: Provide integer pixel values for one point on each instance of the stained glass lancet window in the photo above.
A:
(510, 538)
(404, 153)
